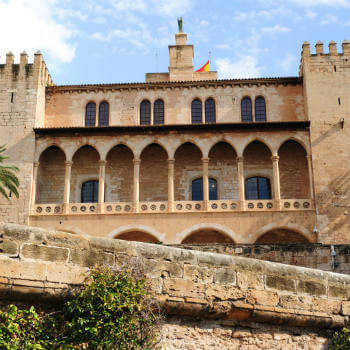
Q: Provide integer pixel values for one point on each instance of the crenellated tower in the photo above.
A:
(22, 107)
(326, 80)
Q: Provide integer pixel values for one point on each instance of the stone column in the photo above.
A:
(276, 181)
(66, 193)
(311, 183)
(205, 162)
(34, 184)
(171, 184)
(241, 189)
(101, 184)
(136, 195)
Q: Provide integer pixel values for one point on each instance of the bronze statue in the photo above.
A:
(179, 23)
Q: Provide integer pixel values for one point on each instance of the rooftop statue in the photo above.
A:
(179, 23)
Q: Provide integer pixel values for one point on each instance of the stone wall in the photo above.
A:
(315, 256)
(210, 300)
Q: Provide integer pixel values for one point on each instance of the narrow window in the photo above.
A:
(260, 109)
(145, 112)
(246, 110)
(89, 192)
(257, 187)
(103, 114)
(11, 97)
(210, 115)
(197, 189)
(90, 114)
(196, 111)
(158, 112)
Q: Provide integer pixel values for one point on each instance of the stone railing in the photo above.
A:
(177, 206)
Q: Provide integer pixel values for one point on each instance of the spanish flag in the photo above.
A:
(205, 68)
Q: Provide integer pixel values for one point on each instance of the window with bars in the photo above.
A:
(257, 187)
(246, 110)
(145, 112)
(103, 114)
(260, 109)
(90, 114)
(196, 111)
(158, 112)
(197, 189)
(210, 114)
(89, 192)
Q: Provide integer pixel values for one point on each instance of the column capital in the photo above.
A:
(68, 163)
(35, 164)
(275, 158)
(102, 162)
(137, 161)
(205, 160)
(171, 161)
(308, 157)
(240, 159)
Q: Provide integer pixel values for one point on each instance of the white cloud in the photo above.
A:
(287, 63)
(30, 25)
(244, 67)
(275, 29)
(329, 19)
(330, 3)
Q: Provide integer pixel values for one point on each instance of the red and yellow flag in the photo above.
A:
(205, 68)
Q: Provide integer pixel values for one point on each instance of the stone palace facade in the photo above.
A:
(183, 157)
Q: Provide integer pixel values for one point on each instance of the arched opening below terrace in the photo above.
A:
(207, 236)
(281, 236)
(137, 236)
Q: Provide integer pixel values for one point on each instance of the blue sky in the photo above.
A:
(110, 41)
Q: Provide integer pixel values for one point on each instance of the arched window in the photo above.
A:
(145, 112)
(90, 114)
(197, 189)
(210, 115)
(260, 109)
(246, 110)
(257, 187)
(103, 114)
(158, 112)
(196, 111)
(89, 191)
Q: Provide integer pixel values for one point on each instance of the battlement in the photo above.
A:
(333, 51)
(321, 57)
(35, 73)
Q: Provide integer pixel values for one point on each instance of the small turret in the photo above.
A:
(333, 48)
(346, 47)
(319, 48)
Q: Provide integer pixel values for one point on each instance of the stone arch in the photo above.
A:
(297, 140)
(243, 146)
(85, 168)
(153, 173)
(291, 227)
(293, 170)
(110, 146)
(223, 167)
(50, 179)
(207, 227)
(85, 144)
(142, 229)
(187, 141)
(44, 146)
(119, 174)
(188, 166)
(160, 143)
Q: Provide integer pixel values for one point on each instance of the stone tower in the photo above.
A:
(326, 79)
(22, 107)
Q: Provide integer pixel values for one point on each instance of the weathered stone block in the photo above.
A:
(247, 280)
(63, 273)
(339, 291)
(311, 287)
(280, 283)
(183, 288)
(325, 304)
(154, 268)
(31, 270)
(9, 248)
(91, 258)
(198, 273)
(265, 297)
(42, 252)
(225, 276)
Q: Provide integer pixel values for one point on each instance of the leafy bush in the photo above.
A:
(113, 311)
(341, 340)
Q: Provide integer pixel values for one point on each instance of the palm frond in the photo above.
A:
(8, 179)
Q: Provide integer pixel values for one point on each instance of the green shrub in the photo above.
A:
(112, 311)
(341, 340)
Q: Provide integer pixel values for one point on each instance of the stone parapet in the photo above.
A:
(39, 264)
